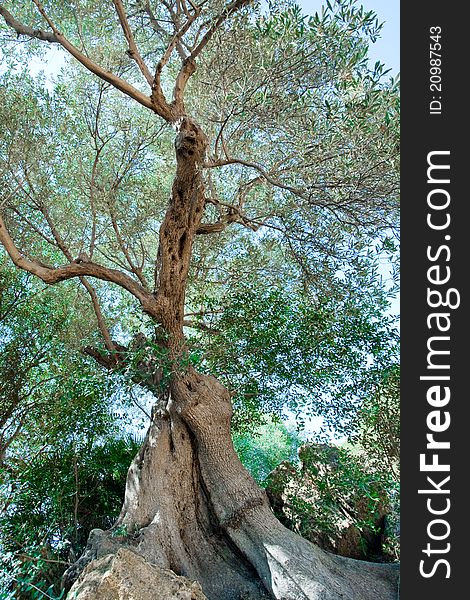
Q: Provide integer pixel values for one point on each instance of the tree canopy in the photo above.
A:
(300, 175)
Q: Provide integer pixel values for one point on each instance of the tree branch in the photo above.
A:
(77, 268)
(99, 315)
(89, 288)
(162, 31)
(22, 29)
(233, 212)
(229, 10)
(187, 69)
(261, 170)
(233, 215)
(199, 325)
(189, 65)
(134, 268)
(176, 39)
(133, 51)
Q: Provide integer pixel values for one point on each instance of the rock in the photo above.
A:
(127, 576)
(100, 543)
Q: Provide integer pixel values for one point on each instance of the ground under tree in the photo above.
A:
(263, 109)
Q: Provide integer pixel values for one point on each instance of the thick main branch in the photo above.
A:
(180, 225)
(78, 268)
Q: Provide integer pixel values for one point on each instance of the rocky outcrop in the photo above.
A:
(345, 523)
(127, 576)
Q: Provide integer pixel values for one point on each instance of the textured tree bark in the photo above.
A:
(179, 227)
(190, 505)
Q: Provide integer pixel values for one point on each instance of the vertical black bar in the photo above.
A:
(435, 267)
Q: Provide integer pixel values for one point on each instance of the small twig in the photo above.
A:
(49, 560)
(29, 584)
(76, 502)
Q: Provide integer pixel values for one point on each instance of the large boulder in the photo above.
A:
(127, 576)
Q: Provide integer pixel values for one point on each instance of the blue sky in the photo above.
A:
(387, 47)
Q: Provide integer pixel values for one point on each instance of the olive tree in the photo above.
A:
(232, 119)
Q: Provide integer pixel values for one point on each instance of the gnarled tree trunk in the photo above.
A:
(191, 506)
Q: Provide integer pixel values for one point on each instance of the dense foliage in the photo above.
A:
(283, 349)
(266, 446)
(338, 500)
(46, 388)
(51, 500)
